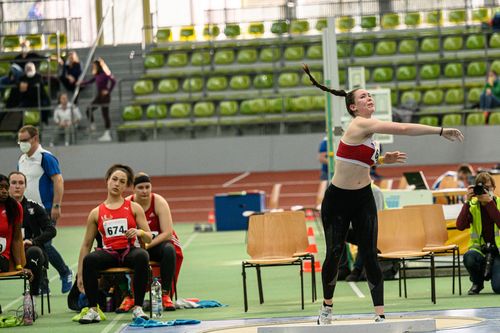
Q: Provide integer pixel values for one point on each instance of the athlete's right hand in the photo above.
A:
(453, 134)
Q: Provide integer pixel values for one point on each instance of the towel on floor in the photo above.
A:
(141, 322)
(209, 304)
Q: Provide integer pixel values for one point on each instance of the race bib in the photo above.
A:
(3, 244)
(116, 227)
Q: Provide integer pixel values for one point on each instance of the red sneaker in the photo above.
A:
(127, 304)
(168, 305)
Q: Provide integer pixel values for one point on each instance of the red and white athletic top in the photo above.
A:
(7, 230)
(365, 154)
(112, 225)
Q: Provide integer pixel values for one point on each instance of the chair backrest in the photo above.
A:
(398, 231)
(403, 184)
(436, 233)
(274, 199)
(448, 182)
(297, 229)
(321, 192)
(386, 184)
(269, 235)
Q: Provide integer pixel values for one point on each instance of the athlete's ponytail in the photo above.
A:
(349, 96)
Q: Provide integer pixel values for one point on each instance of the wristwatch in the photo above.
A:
(56, 205)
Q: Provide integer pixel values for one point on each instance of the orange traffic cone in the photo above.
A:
(312, 249)
(309, 215)
(211, 217)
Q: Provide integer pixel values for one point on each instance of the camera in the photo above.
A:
(479, 189)
(489, 250)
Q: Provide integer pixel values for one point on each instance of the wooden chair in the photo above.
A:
(274, 199)
(447, 182)
(436, 236)
(386, 184)
(269, 246)
(402, 238)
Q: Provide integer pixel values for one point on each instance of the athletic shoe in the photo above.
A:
(67, 282)
(379, 318)
(127, 304)
(84, 311)
(91, 316)
(168, 305)
(138, 313)
(325, 315)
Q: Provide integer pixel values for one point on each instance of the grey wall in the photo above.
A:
(252, 153)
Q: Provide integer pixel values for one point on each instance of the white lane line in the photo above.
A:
(356, 290)
(112, 323)
(235, 179)
(190, 239)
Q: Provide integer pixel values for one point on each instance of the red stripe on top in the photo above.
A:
(361, 153)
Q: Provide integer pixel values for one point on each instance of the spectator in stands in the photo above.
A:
(32, 91)
(490, 98)
(38, 230)
(26, 56)
(105, 83)
(66, 116)
(71, 71)
(323, 158)
(481, 213)
(463, 176)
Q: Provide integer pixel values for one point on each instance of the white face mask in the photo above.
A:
(30, 74)
(24, 147)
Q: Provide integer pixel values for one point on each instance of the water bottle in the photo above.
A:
(27, 307)
(156, 298)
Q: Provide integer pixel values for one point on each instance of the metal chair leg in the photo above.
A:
(459, 274)
(400, 273)
(313, 278)
(453, 273)
(259, 284)
(433, 280)
(404, 279)
(244, 275)
(301, 284)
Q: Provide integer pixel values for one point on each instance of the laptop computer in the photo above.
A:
(417, 179)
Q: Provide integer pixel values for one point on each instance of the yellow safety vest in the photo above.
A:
(476, 227)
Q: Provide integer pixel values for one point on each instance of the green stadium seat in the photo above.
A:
(318, 102)
(239, 82)
(270, 54)
(52, 41)
(49, 67)
(6, 94)
(453, 70)
(457, 16)
(155, 111)
(254, 106)
(299, 26)
(383, 74)
(31, 117)
(480, 15)
(494, 118)
(321, 24)
(154, 60)
(434, 17)
(345, 23)
(228, 108)
(368, 22)
(411, 97)
(256, 28)
(433, 97)
(394, 97)
(406, 73)
(217, 83)
(475, 119)
(343, 76)
(314, 52)
(279, 27)
(413, 19)
(495, 40)
(224, 57)
(279, 105)
(132, 112)
(232, 30)
(200, 58)
(192, 84)
(11, 42)
(495, 66)
(168, 86)
(163, 35)
(407, 46)
(143, 87)
(429, 44)
(294, 53)
(187, 34)
(204, 109)
(367, 74)
(453, 43)
(36, 41)
(430, 71)
(454, 96)
(452, 120)
(389, 21)
(474, 95)
(476, 68)
(247, 56)
(287, 80)
(4, 68)
(211, 31)
(263, 81)
(386, 47)
(363, 49)
(305, 81)
(343, 50)
(429, 120)
(301, 104)
(180, 110)
(179, 59)
(475, 42)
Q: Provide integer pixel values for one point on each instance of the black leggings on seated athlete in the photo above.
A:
(4, 264)
(341, 208)
(137, 259)
(165, 254)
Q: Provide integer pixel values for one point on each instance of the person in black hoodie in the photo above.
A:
(38, 230)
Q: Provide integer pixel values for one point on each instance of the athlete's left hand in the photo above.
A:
(394, 157)
(55, 213)
(132, 232)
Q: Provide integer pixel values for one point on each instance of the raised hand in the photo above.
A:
(452, 134)
(394, 157)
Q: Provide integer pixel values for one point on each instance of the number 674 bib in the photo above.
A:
(116, 227)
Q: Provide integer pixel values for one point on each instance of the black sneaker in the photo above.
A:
(475, 289)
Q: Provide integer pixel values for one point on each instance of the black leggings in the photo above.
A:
(102, 101)
(165, 254)
(35, 261)
(339, 209)
(137, 259)
(4, 264)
